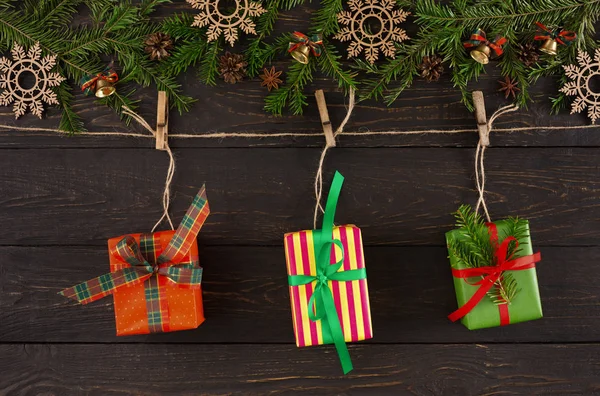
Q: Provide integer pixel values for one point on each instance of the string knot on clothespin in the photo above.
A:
(484, 127)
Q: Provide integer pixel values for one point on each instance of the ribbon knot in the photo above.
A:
(492, 274)
(322, 279)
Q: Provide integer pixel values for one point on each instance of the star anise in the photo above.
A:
(509, 87)
(270, 78)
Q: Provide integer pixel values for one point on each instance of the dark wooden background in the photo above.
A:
(62, 198)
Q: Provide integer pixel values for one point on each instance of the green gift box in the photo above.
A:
(514, 296)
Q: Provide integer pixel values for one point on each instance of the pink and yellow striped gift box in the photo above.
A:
(351, 298)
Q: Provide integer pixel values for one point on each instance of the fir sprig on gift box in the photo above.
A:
(476, 249)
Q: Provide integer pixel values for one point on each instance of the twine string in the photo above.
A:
(319, 176)
(170, 171)
(479, 160)
(479, 154)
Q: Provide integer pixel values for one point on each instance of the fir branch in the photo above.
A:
(504, 290)
(209, 66)
(324, 20)
(476, 235)
(257, 53)
(519, 230)
(147, 7)
(330, 65)
(69, 121)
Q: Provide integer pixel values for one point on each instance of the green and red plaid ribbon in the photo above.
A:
(142, 265)
(88, 83)
(314, 42)
(564, 37)
(478, 37)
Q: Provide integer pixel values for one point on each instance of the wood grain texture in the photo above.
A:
(246, 298)
(398, 196)
(433, 370)
(61, 198)
(222, 109)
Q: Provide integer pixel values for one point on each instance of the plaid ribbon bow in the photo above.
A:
(88, 83)
(314, 42)
(564, 37)
(138, 267)
(478, 37)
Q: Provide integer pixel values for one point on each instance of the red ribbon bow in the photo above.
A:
(478, 37)
(492, 274)
(564, 37)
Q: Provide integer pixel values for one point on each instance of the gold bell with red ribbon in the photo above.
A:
(104, 88)
(482, 54)
(552, 38)
(303, 46)
(101, 84)
(482, 47)
(549, 47)
(301, 53)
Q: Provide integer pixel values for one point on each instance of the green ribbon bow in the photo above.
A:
(321, 305)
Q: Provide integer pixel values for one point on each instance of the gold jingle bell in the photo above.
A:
(482, 54)
(104, 88)
(301, 54)
(549, 47)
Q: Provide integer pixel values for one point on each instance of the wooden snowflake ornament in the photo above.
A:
(13, 72)
(372, 26)
(581, 75)
(227, 25)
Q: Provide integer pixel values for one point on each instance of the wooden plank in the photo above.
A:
(221, 109)
(397, 196)
(246, 298)
(271, 369)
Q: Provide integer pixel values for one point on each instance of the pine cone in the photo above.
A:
(157, 45)
(528, 54)
(232, 67)
(431, 68)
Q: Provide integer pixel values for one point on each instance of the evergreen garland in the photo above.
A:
(476, 250)
(444, 27)
(117, 30)
(292, 92)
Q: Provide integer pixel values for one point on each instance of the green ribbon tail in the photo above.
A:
(333, 321)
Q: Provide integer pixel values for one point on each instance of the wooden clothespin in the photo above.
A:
(480, 117)
(325, 122)
(162, 121)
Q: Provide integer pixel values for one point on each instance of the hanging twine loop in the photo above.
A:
(166, 199)
(330, 137)
(484, 127)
